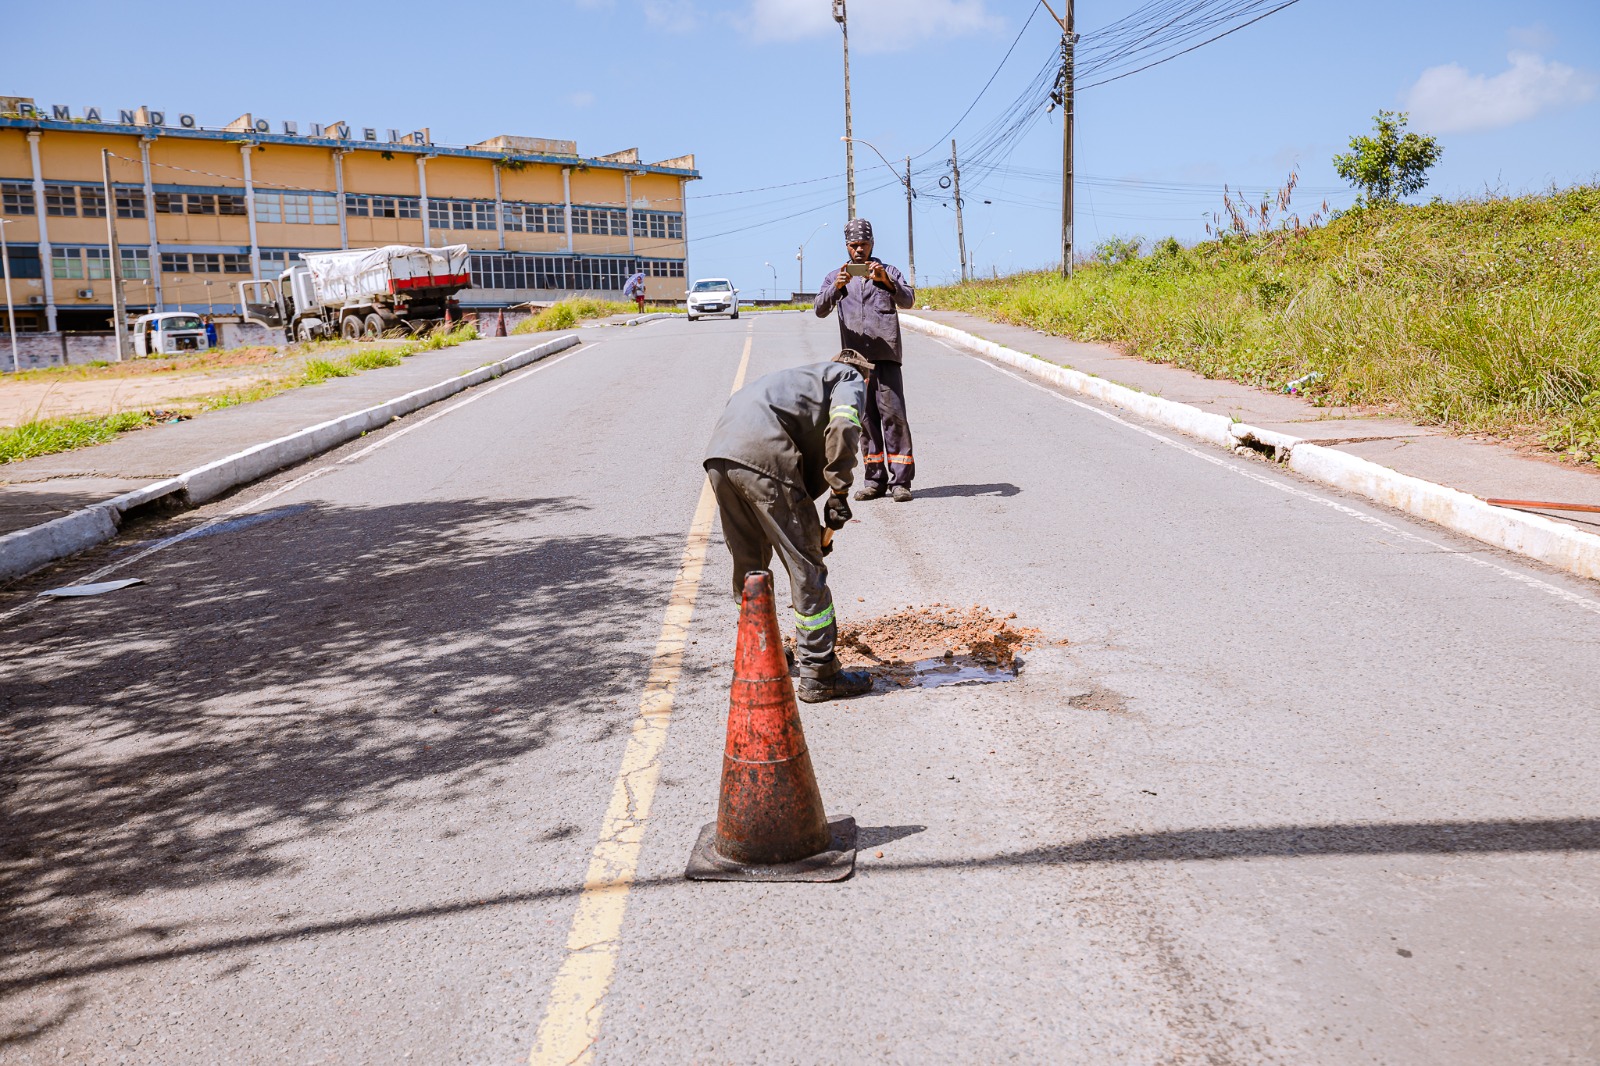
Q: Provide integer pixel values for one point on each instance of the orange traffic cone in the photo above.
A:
(770, 825)
(500, 323)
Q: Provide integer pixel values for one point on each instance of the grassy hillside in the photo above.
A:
(1479, 316)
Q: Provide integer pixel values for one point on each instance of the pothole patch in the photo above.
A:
(929, 647)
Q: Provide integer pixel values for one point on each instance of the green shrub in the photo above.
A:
(1478, 316)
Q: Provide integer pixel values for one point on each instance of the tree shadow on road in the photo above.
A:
(271, 683)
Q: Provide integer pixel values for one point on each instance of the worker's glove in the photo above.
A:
(837, 511)
(827, 548)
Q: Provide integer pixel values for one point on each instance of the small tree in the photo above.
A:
(1389, 165)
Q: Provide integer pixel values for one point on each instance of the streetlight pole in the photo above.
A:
(911, 244)
(11, 311)
(841, 18)
(801, 255)
(774, 270)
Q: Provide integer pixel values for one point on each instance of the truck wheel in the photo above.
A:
(350, 329)
(375, 326)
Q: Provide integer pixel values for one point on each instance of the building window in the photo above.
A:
(135, 263)
(662, 268)
(461, 214)
(301, 208)
(235, 263)
(16, 199)
(205, 263)
(658, 225)
(600, 221)
(66, 263)
(230, 204)
(277, 261)
(25, 261)
(383, 206)
(535, 218)
(61, 201)
(97, 263)
(174, 263)
(92, 201)
(130, 203)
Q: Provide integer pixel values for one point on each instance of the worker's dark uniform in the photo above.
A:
(783, 441)
(869, 323)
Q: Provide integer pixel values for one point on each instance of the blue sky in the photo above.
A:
(752, 87)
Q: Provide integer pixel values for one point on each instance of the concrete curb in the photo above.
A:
(653, 316)
(26, 550)
(1531, 535)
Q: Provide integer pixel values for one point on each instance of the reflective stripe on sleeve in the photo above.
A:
(811, 623)
(845, 411)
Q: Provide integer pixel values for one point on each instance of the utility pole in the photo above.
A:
(11, 311)
(119, 305)
(911, 244)
(1069, 41)
(961, 234)
(839, 16)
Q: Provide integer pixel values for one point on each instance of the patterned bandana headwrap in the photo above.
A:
(858, 229)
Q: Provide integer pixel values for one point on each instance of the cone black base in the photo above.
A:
(835, 864)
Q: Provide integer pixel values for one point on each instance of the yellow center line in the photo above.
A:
(572, 1018)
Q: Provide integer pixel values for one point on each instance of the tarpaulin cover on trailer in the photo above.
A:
(355, 275)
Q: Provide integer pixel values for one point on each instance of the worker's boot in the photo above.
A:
(841, 685)
(902, 494)
(871, 491)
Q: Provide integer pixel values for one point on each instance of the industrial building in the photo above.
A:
(198, 209)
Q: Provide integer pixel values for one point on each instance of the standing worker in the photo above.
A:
(634, 287)
(867, 292)
(783, 441)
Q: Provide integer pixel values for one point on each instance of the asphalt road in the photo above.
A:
(1309, 782)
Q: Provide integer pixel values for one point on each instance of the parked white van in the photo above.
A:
(169, 332)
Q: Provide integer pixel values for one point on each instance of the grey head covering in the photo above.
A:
(858, 229)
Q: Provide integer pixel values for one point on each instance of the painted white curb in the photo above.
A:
(26, 550)
(1534, 536)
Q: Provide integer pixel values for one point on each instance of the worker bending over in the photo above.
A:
(867, 292)
(783, 441)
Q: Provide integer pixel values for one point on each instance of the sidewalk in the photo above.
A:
(40, 490)
(1480, 468)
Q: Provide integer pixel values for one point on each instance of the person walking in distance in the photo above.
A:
(866, 291)
(782, 441)
(634, 287)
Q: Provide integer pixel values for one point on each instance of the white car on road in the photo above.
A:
(713, 296)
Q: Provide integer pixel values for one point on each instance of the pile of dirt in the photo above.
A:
(916, 633)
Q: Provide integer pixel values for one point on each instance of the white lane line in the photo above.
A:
(1585, 602)
(245, 508)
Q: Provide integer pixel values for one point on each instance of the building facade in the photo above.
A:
(197, 210)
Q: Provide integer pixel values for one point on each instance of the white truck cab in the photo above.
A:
(169, 332)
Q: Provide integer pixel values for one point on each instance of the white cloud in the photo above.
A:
(1535, 38)
(581, 98)
(1449, 99)
(875, 25)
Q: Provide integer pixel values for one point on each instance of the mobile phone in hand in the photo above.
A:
(858, 270)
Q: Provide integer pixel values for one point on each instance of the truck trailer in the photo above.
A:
(359, 292)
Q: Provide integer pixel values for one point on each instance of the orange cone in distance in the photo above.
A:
(770, 823)
(500, 323)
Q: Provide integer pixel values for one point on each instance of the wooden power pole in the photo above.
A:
(1069, 41)
(961, 235)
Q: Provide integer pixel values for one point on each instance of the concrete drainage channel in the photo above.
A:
(1534, 536)
(26, 550)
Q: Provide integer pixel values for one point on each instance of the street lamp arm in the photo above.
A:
(861, 140)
